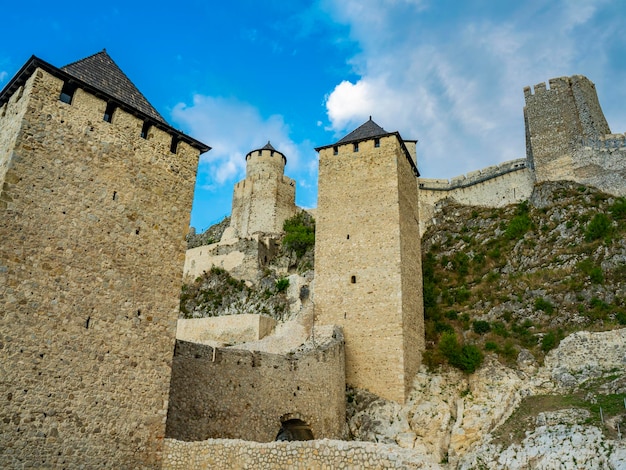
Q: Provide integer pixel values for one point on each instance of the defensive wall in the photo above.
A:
(229, 329)
(299, 455)
(92, 228)
(494, 186)
(239, 394)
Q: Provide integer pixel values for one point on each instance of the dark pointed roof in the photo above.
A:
(270, 147)
(366, 131)
(99, 80)
(370, 130)
(101, 72)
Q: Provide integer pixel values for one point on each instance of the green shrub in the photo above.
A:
(599, 227)
(549, 341)
(618, 209)
(491, 346)
(282, 284)
(621, 317)
(544, 305)
(299, 233)
(499, 328)
(460, 262)
(466, 357)
(517, 227)
(451, 315)
(481, 327)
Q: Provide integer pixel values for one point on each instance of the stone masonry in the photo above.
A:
(368, 258)
(265, 198)
(91, 254)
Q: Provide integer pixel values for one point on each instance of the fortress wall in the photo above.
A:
(358, 261)
(411, 273)
(602, 166)
(92, 249)
(227, 329)
(240, 394)
(11, 116)
(497, 186)
(299, 455)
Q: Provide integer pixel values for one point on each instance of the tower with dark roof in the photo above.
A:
(265, 198)
(94, 206)
(368, 276)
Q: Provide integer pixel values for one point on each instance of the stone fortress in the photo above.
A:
(96, 193)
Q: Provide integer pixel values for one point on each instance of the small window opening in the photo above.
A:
(259, 154)
(67, 92)
(174, 145)
(137, 232)
(114, 195)
(108, 113)
(376, 143)
(355, 147)
(353, 280)
(335, 150)
(144, 130)
(4, 110)
(87, 323)
(271, 153)
(348, 237)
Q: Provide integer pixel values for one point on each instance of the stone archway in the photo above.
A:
(294, 430)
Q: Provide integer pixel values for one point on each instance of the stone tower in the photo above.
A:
(95, 202)
(266, 198)
(368, 275)
(558, 122)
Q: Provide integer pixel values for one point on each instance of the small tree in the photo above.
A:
(299, 233)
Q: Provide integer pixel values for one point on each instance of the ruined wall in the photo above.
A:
(497, 186)
(557, 119)
(361, 244)
(303, 455)
(239, 394)
(91, 251)
(266, 198)
(601, 163)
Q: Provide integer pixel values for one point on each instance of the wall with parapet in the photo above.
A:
(240, 394)
(300, 455)
(230, 329)
(92, 225)
(494, 186)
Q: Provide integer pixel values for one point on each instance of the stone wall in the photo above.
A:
(367, 239)
(92, 249)
(11, 115)
(239, 394)
(229, 329)
(496, 186)
(303, 455)
(266, 198)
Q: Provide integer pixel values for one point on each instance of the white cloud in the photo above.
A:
(3, 75)
(232, 129)
(455, 82)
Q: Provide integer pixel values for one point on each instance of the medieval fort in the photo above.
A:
(96, 195)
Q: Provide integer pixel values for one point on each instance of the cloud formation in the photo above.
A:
(457, 86)
(3, 76)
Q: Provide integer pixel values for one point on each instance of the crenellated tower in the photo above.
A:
(265, 198)
(559, 121)
(368, 275)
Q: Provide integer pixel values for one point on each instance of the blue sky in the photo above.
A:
(304, 73)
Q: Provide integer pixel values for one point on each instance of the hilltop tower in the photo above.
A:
(265, 198)
(368, 275)
(559, 121)
(95, 203)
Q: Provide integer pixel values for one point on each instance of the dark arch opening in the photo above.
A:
(294, 430)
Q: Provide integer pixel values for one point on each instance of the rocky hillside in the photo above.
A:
(523, 277)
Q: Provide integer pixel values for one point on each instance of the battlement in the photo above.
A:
(472, 178)
(558, 84)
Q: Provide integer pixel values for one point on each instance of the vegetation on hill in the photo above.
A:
(300, 238)
(217, 293)
(211, 235)
(522, 277)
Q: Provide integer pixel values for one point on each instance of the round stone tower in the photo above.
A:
(266, 198)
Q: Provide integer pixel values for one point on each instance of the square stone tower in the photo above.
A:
(559, 121)
(95, 203)
(368, 270)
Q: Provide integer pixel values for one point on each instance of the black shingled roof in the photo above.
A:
(366, 131)
(268, 146)
(101, 72)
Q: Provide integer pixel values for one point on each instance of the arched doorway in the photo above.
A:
(294, 430)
